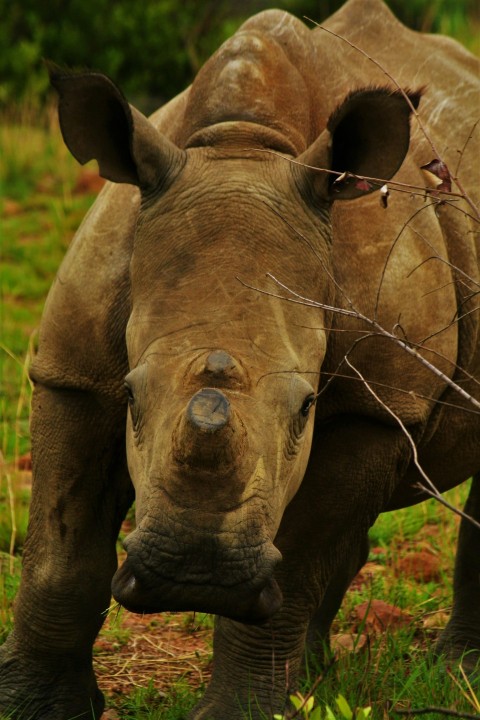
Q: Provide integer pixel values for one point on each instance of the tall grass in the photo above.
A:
(39, 215)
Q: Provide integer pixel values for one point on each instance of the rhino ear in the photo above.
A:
(98, 123)
(368, 135)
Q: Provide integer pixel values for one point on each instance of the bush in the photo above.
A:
(153, 48)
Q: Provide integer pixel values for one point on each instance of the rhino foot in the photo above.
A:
(32, 689)
(456, 647)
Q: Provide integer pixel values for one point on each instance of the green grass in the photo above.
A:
(391, 675)
(39, 215)
(149, 704)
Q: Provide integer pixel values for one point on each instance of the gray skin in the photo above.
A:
(253, 494)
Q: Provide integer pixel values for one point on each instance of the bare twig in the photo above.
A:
(434, 711)
(325, 268)
(390, 77)
(462, 151)
(378, 329)
(396, 185)
(437, 256)
(430, 488)
(376, 383)
(390, 251)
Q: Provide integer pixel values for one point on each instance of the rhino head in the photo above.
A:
(222, 381)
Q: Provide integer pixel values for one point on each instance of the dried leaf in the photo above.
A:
(340, 178)
(346, 643)
(438, 168)
(363, 185)
(384, 195)
(436, 171)
(436, 620)
(445, 187)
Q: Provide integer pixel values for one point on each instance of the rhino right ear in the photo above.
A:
(98, 123)
(368, 135)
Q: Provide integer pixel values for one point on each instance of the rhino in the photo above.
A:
(285, 347)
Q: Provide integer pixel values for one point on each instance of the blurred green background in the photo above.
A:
(153, 48)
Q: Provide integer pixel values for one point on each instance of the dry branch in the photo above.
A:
(377, 329)
(445, 712)
(430, 488)
(427, 486)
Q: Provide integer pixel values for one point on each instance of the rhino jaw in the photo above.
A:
(249, 602)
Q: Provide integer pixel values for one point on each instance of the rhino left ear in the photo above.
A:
(368, 135)
(98, 123)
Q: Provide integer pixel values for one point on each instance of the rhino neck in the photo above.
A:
(249, 81)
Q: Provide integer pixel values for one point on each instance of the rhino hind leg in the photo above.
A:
(80, 493)
(461, 638)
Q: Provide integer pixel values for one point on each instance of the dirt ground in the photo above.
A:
(145, 650)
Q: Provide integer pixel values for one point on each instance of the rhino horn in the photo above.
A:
(209, 434)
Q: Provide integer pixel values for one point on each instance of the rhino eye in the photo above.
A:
(133, 405)
(129, 393)
(307, 404)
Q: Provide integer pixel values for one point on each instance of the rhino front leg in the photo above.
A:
(257, 667)
(80, 494)
(322, 538)
(462, 634)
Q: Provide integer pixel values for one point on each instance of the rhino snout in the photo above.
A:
(249, 595)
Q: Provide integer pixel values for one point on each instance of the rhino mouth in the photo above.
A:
(253, 601)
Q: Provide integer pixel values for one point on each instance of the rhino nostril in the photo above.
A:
(209, 410)
(131, 584)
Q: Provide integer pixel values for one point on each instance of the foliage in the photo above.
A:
(305, 709)
(153, 48)
(40, 211)
(148, 704)
(150, 47)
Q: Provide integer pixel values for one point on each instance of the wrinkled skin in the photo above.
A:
(253, 494)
